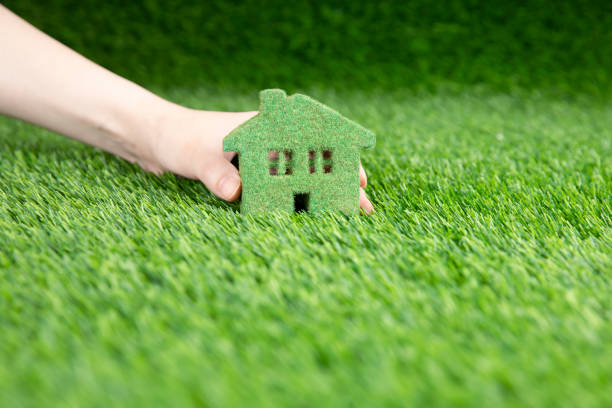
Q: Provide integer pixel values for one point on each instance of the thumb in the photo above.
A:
(222, 178)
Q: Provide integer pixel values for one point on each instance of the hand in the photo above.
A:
(190, 144)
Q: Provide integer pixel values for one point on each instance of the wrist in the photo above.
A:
(137, 130)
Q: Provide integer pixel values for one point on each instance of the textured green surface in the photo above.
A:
(483, 278)
(298, 146)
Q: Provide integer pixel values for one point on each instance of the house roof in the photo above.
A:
(302, 120)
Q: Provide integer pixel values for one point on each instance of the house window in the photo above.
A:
(311, 161)
(325, 161)
(273, 157)
(281, 162)
(288, 162)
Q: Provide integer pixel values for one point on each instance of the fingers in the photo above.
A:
(363, 178)
(364, 202)
(221, 178)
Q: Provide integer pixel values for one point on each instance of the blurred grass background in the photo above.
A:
(563, 47)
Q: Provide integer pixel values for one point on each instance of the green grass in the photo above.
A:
(563, 46)
(483, 279)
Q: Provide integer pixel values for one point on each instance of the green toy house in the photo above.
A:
(298, 155)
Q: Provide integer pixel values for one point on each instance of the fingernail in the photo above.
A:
(365, 202)
(228, 186)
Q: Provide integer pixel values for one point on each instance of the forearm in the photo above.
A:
(46, 83)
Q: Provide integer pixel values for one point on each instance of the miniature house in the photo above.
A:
(298, 155)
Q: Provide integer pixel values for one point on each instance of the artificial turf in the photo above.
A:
(483, 278)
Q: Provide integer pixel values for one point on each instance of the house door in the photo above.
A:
(301, 202)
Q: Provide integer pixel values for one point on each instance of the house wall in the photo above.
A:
(335, 191)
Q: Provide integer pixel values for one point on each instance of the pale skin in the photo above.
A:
(46, 83)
